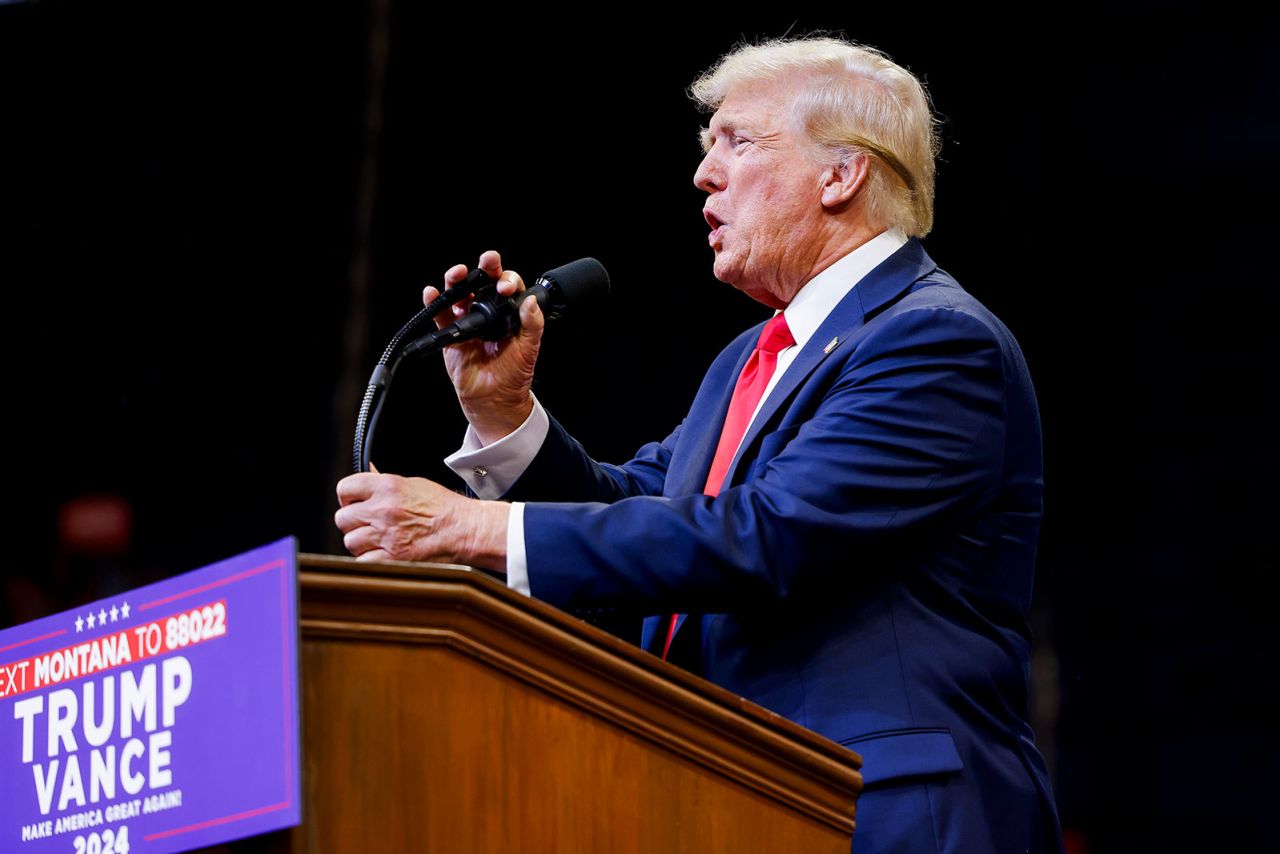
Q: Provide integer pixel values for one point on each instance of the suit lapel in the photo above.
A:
(881, 286)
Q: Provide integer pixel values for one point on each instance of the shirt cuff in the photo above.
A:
(491, 470)
(517, 567)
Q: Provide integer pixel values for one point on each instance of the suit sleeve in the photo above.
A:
(906, 442)
(562, 471)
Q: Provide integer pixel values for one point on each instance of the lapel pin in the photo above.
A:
(831, 345)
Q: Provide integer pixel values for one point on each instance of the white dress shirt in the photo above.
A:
(491, 470)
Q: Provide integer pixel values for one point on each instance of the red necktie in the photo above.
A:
(752, 382)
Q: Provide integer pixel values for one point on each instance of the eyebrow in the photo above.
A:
(726, 124)
(729, 122)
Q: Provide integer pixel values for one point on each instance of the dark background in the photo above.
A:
(212, 222)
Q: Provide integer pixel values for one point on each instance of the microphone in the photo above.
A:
(493, 316)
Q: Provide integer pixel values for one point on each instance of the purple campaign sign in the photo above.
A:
(162, 719)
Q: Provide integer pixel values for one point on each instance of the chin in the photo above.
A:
(721, 269)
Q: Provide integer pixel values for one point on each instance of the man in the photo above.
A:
(850, 508)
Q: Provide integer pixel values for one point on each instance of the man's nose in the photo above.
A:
(709, 177)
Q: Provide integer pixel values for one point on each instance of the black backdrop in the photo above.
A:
(187, 199)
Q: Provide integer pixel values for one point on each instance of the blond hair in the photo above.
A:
(859, 102)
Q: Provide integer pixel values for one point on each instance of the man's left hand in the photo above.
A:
(388, 517)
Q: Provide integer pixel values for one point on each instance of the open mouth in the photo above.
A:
(716, 224)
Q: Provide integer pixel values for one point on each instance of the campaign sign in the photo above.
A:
(162, 719)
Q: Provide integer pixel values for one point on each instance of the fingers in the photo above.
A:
(491, 263)
(362, 533)
(349, 518)
(362, 522)
(454, 274)
(356, 487)
(361, 540)
(364, 542)
(509, 281)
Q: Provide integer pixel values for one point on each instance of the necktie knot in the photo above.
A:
(776, 335)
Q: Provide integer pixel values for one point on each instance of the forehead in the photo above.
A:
(755, 104)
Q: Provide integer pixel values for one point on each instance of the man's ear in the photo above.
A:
(843, 181)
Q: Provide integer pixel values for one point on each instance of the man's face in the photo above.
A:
(764, 181)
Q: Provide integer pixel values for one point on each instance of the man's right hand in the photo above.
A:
(493, 379)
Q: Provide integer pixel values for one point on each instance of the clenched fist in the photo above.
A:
(388, 517)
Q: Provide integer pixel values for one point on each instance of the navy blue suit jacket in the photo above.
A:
(866, 570)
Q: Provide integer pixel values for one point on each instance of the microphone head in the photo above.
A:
(577, 281)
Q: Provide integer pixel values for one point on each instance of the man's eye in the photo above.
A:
(739, 141)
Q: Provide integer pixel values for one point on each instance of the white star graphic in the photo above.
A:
(124, 610)
(102, 616)
(79, 624)
(91, 619)
(114, 612)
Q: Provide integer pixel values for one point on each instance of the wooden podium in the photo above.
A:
(444, 713)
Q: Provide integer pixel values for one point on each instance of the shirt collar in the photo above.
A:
(821, 294)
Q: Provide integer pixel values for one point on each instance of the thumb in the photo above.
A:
(373, 468)
(532, 320)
